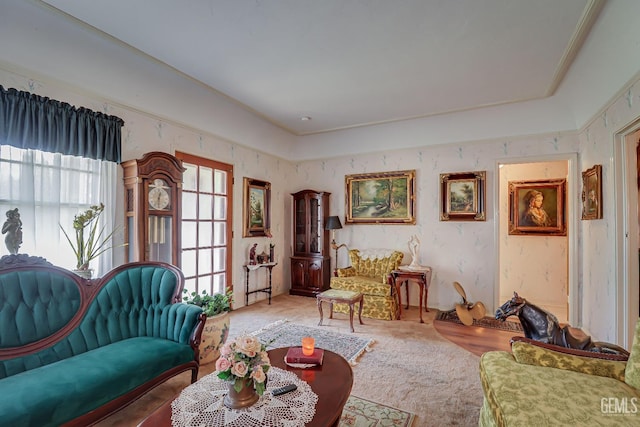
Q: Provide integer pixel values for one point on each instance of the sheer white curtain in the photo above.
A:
(49, 190)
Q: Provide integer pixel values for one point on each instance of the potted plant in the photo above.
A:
(216, 328)
(88, 246)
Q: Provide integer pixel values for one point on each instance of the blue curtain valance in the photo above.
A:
(39, 123)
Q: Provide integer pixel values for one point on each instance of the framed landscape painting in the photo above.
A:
(592, 193)
(381, 198)
(462, 196)
(257, 201)
(537, 207)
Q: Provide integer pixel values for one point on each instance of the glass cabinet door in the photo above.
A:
(300, 226)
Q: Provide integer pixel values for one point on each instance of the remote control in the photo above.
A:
(283, 390)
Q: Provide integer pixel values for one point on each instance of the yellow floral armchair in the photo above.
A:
(369, 275)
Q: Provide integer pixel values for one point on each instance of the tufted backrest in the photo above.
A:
(35, 305)
(375, 263)
(134, 300)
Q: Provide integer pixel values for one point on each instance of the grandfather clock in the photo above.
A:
(152, 200)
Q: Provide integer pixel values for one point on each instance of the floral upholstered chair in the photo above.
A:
(369, 275)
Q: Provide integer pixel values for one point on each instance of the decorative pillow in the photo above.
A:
(530, 354)
(632, 373)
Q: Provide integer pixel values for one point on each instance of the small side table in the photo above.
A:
(422, 277)
(340, 296)
(248, 268)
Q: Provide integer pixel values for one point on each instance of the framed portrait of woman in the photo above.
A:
(537, 208)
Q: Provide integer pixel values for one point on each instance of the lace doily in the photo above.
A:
(375, 253)
(201, 404)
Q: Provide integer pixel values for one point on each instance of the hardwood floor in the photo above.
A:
(476, 339)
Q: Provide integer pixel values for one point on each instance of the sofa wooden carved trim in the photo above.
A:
(369, 274)
(73, 351)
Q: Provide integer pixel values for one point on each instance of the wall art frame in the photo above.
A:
(592, 193)
(381, 198)
(537, 208)
(256, 208)
(462, 196)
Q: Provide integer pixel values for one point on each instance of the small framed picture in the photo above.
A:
(257, 203)
(592, 193)
(537, 207)
(462, 196)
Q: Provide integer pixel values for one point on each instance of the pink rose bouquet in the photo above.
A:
(242, 359)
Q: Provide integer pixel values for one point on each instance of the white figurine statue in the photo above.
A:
(414, 250)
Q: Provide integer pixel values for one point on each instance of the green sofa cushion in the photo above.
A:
(523, 395)
(534, 355)
(61, 391)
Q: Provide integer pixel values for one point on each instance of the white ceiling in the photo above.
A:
(348, 63)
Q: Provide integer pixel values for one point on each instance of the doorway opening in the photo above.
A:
(541, 268)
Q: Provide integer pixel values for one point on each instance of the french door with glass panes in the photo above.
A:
(207, 201)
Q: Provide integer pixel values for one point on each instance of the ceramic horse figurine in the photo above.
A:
(540, 325)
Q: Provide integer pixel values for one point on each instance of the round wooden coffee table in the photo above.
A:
(332, 383)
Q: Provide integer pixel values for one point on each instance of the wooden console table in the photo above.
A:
(422, 277)
(248, 268)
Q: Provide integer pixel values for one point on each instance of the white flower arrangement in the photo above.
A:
(242, 359)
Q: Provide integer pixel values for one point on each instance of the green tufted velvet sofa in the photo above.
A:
(73, 351)
(369, 274)
(546, 385)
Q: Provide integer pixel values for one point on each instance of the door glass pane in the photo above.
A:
(189, 177)
(188, 266)
(219, 233)
(204, 234)
(205, 206)
(219, 259)
(220, 210)
(189, 201)
(219, 282)
(204, 260)
(204, 283)
(189, 234)
(206, 180)
(190, 285)
(220, 182)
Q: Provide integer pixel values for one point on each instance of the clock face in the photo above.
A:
(159, 197)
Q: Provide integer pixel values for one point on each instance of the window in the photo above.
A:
(49, 189)
(206, 224)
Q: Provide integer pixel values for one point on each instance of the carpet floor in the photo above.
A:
(286, 334)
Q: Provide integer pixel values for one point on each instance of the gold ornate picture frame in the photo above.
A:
(381, 198)
(537, 208)
(592, 193)
(256, 208)
(462, 196)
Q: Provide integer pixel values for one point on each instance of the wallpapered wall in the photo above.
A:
(462, 251)
(457, 251)
(143, 133)
(598, 237)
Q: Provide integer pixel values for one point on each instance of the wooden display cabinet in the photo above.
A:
(310, 263)
(153, 205)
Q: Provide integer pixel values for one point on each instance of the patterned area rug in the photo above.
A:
(359, 412)
(285, 334)
(485, 322)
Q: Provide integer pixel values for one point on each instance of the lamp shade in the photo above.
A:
(333, 223)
